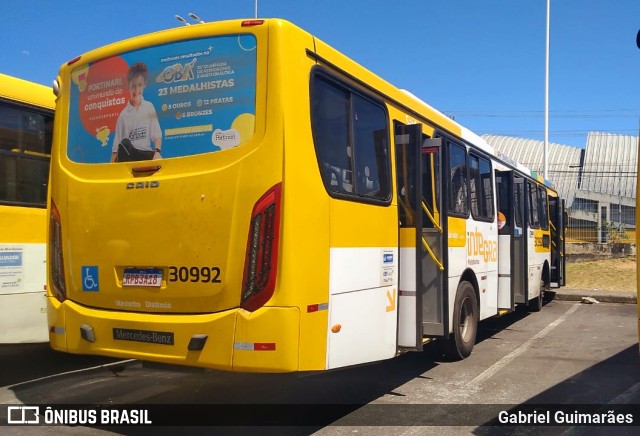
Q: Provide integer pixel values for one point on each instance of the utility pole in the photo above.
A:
(546, 97)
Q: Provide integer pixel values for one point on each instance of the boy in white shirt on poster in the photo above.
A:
(137, 125)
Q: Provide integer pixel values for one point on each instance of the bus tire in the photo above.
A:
(465, 323)
(535, 304)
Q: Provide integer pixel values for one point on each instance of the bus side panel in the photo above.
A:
(361, 306)
(538, 255)
(482, 258)
(363, 275)
(457, 241)
(303, 274)
(457, 247)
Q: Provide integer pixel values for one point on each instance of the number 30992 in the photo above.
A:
(204, 274)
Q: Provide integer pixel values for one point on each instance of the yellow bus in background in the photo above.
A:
(26, 124)
(239, 195)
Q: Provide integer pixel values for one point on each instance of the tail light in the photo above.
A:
(261, 261)
(56, 264)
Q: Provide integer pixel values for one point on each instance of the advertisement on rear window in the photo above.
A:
(173, 100)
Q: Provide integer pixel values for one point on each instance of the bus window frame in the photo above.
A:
(532, 187)
(320, 73)
(450, 211)
(543, 208)
(480, 189)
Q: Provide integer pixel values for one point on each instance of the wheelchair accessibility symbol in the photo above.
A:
(90, 279)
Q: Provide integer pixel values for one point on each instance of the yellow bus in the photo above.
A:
(26, 124)
(239, 195)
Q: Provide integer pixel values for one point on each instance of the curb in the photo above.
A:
(628, 297)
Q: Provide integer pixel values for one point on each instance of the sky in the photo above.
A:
(481, 62)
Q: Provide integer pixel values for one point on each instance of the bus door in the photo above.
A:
(520, 265)
(506, 240)
(558, 226)
(533, 223)
(422, 245)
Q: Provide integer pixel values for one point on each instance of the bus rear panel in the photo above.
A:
(167, 248)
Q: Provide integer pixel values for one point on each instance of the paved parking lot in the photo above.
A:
(568, 354)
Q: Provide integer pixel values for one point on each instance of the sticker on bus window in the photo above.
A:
(178, 99)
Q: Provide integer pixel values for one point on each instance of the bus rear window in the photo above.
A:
(173, 100)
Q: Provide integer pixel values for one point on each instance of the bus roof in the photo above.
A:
(23, 91)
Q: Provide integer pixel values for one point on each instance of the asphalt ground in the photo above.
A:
(568, 354)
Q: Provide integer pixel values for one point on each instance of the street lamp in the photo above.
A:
(195, 18)
(182, 20)
(546, 98)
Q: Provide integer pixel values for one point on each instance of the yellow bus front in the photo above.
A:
(166, 200)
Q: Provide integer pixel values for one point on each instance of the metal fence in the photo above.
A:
(601, 202)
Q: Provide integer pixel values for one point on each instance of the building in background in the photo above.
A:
(598, 181)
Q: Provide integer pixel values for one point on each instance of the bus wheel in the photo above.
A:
(465, 323)
(535, 304)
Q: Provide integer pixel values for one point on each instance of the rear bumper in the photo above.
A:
(236, 340)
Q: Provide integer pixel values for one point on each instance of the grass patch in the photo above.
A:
(603, 274)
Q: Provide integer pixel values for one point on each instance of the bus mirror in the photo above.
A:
(431, 145)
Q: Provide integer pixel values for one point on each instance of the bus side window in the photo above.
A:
(534, 219)
(505, 205)
(458, 189)
(331, 133)
(370, 138)
(519, 204)
(487, 188)
(351, 139)
(480, 188)
(544, 211)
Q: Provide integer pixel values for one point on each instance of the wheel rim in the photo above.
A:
(466, 319)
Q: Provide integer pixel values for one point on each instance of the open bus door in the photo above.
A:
(422, 296)
(507, 232)
(520, 264)
(513, 240)
(558, 228)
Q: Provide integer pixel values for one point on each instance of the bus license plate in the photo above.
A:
(142, 277)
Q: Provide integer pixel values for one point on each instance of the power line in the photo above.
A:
(564, 132)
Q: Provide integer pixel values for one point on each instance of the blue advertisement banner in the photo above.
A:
(178, 99)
